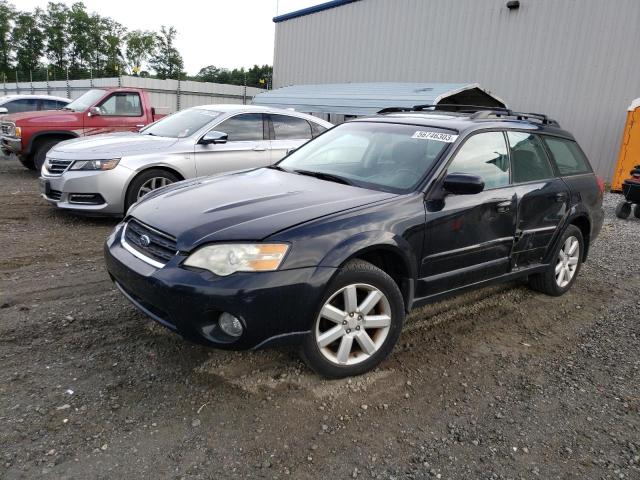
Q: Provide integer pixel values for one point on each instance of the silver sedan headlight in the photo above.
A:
(225, 259)
(95, 164)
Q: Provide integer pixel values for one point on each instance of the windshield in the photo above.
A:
(85, 100)
(382, 156)
(181, 124)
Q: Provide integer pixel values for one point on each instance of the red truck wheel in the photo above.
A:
(41, 153)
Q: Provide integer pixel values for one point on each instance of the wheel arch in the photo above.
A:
(39, 137)
(391, 254)
(125, 191)
(583, 222)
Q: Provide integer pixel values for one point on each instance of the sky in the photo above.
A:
(224, 33)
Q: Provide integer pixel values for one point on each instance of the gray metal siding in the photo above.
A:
(576, 60)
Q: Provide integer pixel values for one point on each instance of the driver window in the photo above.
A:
(485, 155)
(243, 128)
(122, 105)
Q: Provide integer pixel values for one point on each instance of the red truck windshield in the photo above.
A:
(85, 100)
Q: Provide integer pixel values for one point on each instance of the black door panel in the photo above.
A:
(468, 240)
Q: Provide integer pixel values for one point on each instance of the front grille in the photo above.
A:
(161, 247)
(57, 167)
(7, 129)
(54, 194)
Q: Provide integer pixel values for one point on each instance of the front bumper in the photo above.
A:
(275, 308)
(11, 145)
(64, 191)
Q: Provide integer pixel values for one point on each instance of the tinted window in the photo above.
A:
(242, 128)
(528, 158)
(289, 128)
(51, 104)
(317, 129)
(380, 156)
(22, 105)
(568, 157)
(122, 104)
(181, 124)
(484, 154)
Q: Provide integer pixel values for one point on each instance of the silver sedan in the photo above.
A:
(105, 174)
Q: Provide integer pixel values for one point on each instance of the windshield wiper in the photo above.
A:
(324, 176)
(277, 167)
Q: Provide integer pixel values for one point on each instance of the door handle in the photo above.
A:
(504, 206)
(258, 149)
(140, 125)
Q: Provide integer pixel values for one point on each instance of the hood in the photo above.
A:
(249, 205)
(44, 118)
(111, 145)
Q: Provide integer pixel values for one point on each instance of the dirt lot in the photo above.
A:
(501, 383)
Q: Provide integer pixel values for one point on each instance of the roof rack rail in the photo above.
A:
(544, 119)
(477, 112)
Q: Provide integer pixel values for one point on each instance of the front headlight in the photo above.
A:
(226, 259)
(95, 164)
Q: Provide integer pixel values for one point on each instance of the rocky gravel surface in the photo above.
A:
(501, 383)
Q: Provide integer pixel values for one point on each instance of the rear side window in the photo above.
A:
(528, 159)
(51, 104)
(568, 157)
(290, 128)
(484, 154)
(317, 129)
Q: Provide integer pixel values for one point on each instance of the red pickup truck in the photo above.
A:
(30, 135)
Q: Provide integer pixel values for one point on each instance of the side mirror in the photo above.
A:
(291, 150)
(3, 110)
(214, 136)
(463, 184)
(94, 111)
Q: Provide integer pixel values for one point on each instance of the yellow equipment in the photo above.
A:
(629, 155)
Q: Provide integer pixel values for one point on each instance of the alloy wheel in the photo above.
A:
(152, 184)
(353, 324)
(568, 259)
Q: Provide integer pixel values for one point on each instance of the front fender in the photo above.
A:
(368, 241)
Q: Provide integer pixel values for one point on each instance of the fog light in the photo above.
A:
(230, 324)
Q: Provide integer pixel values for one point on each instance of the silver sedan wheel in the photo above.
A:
(568, 259)
(353, 324)
(152, 184)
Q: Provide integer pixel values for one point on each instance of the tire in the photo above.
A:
(367, 346)
(623, 209)
(41, 153)
(550, 282)
(146, 180)
(27, 161)
(636, 211)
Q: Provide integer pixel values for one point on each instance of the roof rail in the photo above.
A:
(542, 118)
(477, 112)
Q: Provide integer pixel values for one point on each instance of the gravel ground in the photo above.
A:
(502, 383)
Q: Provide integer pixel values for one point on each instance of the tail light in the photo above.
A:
(600, 184)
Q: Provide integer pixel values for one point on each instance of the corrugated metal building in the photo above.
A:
(335, 101)
(576, 60)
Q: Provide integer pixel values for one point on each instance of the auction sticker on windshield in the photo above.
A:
(438, 136)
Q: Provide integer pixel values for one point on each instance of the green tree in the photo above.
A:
(55, 27)
(7, 15)
(166, 60)
(27, 39)
(79, 31)
(139, 47)
(114, 34)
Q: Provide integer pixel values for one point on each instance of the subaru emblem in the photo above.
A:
(145, 240)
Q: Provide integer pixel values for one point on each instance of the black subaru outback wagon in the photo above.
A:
(332, 246)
